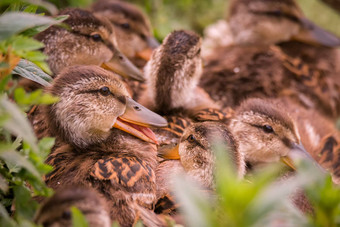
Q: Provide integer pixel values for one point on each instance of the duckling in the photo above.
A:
(281, 21)
(173, 73)
(195, 156)
(254, 67)
(133, 28)
(55, 211)
(88, 40)
(264, 132)
(96, 125)
(133, 35)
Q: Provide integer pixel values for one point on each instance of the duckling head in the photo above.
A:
(134, 35)
(266, 22)
(88, 40)
(265, 132)
(92, 102)
(174, 70)
(56, 211)
(196, 150)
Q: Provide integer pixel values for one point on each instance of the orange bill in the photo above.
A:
(144, 54)
(121, 65)
(136, 120)
(169, 152)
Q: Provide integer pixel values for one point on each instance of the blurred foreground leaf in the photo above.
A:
(78, 218)
(15, 22)
(30, 71)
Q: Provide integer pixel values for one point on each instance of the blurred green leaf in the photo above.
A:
(78, 218)
(42, 4)
(30, 71)
(18, 123)
(35, 30)
(15, 22)
(24, 204)
(13, 158)
(25, 43)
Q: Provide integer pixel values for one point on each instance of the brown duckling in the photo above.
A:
(195, 156)
(96, 124)
(88, 40)
(173, 73)
(253, 68)
(55, 211)
(132, 28)
(264, 132)
(133, 35)
(260, 131)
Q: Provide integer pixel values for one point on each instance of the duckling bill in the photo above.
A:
(88, 41)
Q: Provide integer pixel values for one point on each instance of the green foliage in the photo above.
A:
(22, 156)
(261, 199)
(78, 218)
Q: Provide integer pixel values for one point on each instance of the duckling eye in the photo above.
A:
(125, 25)
(191, 138)
(277, 12)
(66, 215)
(96, 37)
(143, 36)
(267, 129)
(105, 91)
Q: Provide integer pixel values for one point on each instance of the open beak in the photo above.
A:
(169, 152)
(297, 153)
(121, 65)
(136, 120)
(313, 34)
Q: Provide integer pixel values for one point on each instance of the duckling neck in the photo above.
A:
(172, 87)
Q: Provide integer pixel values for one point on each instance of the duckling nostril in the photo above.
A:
(137, 108)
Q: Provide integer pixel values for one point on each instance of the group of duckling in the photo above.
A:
(272, 93)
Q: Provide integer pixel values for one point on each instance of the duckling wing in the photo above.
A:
(127, 174)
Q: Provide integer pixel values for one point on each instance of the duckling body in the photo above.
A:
(254, 67)
(94, 149)
(56, 211)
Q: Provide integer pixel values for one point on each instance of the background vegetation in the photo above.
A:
(259, 200)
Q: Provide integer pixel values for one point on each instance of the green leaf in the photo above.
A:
(15, 22)
(30, 71)
(25, 43)
(194, 204)
(42, 4)
(31, 9)
(5, 219)
(18, 124)
(78, 218)
(37, 29)
(13, 158)
(24, 204)
(46, 143)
